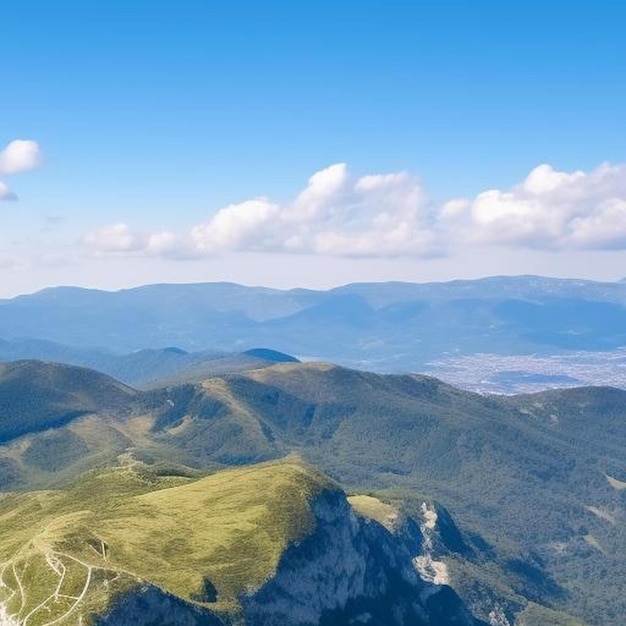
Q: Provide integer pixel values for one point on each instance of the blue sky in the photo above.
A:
(152, 118)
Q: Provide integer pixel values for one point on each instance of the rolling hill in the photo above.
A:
(35, 396)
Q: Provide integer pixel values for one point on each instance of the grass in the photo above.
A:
(231, 527)
(73, 549)
(372, 507)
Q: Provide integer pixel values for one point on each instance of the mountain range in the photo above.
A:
(512, 506)
(386, 327)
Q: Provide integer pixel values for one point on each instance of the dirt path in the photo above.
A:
(54, 561)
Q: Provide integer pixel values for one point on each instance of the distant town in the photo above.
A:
(496, 373)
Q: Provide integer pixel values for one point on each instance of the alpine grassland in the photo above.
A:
(65, 555)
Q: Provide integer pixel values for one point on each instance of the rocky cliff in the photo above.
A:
(350, 570)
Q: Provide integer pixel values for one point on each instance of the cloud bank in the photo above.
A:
(390, 215)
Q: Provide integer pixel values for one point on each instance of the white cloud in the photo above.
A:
(120, 239)
(6, 195)
(454, 208)
(20, 155)
(550, 210)
(238, 226)
(164, 243)
(389, 215)
(605, 227)
(324, 188)
(336, 214)
(115, 238)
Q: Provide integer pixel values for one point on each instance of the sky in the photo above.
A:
(310, 143)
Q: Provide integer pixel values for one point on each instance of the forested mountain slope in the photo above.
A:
(536, 483)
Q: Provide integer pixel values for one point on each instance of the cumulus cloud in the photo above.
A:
(336, 214)
(114, 238)
(165, 243)
(20, 155)
(237, 226)
(604, 227)
(551, 210)
(390, 215)
(325, 188)
(121, 239)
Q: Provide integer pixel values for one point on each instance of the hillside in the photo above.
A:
(272, 544)
(534, 482)
(35, 396)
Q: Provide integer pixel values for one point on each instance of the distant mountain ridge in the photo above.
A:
(377, 326)
(146, 367)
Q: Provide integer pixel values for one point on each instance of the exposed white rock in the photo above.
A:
(430, 516)
(430, 569)
(327, 579)
(497, 617)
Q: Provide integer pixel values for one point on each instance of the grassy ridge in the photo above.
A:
(64, 554)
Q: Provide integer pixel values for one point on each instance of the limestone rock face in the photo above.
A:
(350, 570)
(353, 570)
